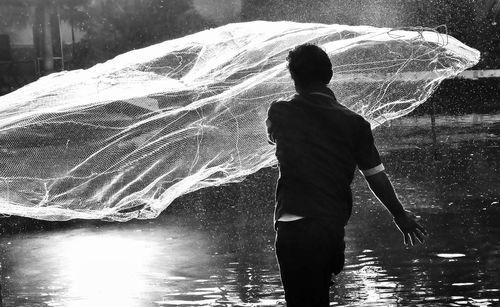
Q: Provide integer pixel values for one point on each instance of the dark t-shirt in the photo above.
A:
(319, 142)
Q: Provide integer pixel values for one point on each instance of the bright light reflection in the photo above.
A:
(105, 269)
(373, 288)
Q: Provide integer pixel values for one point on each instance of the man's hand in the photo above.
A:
(411, 230)
(406, 221)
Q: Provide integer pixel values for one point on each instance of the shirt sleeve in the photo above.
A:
(366, 153)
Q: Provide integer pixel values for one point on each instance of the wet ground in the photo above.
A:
(214, 247)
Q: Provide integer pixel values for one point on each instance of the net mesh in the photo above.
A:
(125, 138)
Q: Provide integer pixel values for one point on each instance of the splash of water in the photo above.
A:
(125, 138)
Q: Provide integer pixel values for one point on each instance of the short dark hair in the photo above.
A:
(309, 64)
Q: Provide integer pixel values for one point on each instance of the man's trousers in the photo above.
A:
(309, 251)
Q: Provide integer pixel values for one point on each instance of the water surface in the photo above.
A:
(214, 247)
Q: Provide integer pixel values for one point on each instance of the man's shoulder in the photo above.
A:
(279, 106)
(345, 114)
(357, 118)
(280, 103)
(353, 121)
(359, 121)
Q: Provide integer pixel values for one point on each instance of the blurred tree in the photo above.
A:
(116, 26)
(76, 13)
(13, 14)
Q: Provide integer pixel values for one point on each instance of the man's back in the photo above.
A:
(319, 142)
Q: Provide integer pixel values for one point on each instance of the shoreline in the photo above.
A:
(471, 119)
(412, 132)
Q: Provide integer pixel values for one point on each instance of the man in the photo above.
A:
(319, 143)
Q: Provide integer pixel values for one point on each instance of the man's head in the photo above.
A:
(309, 66)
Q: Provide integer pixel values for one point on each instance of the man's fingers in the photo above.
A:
(406, 238)
(421, 233)
(422, 229)
(419, 237)
(412, 237)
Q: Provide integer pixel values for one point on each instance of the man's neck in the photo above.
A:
(325, 94)
(313, 88)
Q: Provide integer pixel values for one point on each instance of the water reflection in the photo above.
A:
(104, 266)
(366, 282)
(215, 247)
(100, 270)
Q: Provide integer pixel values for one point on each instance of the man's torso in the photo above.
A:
(316, 139)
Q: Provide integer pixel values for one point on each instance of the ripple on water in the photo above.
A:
(450, 255)
(461, 284)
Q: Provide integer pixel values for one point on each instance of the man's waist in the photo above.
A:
(337, 222)
(331, 191)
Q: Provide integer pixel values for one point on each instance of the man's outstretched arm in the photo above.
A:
(381, 186)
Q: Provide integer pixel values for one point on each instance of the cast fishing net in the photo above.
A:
(125, 138)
